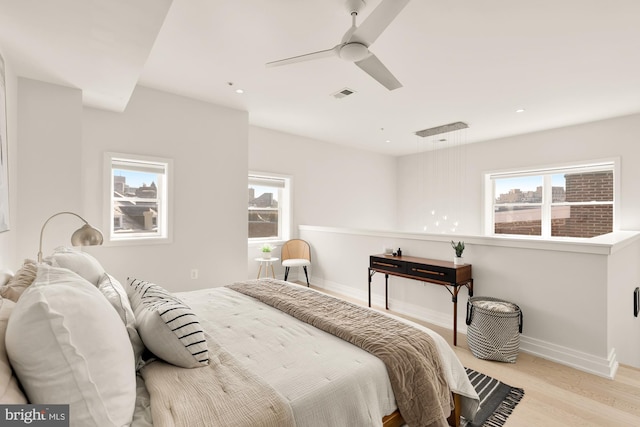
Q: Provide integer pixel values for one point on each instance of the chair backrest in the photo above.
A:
(295, 249)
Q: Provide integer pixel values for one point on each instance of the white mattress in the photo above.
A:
(326, 380)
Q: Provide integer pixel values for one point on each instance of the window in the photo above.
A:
(138, 190)
(269, 207)
(573, 201)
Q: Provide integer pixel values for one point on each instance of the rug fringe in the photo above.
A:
(500, 415)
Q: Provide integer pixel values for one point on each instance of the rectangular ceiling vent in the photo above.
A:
(343, 93)
(442, 129)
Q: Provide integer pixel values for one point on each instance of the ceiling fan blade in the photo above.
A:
(377, 21)
(376, 69)
(306, 57)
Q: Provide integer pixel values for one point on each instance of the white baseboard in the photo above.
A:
(430, 316)
(604, 367)
(347, 291)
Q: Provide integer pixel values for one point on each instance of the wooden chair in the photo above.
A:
(296, 253)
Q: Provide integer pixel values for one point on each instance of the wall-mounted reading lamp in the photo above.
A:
(83, 236)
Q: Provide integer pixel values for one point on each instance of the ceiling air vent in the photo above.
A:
(343, 93)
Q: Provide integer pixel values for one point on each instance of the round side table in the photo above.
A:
(267, 262)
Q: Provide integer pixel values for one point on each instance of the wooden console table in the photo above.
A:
(444, 273)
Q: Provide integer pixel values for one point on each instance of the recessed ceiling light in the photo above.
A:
(237, 90)
(520, 110)
(388, 140)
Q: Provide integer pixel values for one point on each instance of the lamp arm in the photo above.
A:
(45, 224)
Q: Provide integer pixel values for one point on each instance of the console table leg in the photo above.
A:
(455, 314)
(455, 323)
(369, 274)
(386, 291)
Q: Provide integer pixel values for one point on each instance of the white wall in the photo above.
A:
(208, 145)
(333, 185)
(618, 137)
(613, 138)
(623, 327)
(9, 259)
(61, 150)
(49, 157)
(61, 169)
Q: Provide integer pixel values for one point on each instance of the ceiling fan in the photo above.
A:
(354, 46)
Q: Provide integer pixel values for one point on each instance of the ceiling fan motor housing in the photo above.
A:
(354, 52)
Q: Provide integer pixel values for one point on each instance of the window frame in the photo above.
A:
(547, 171)
(285, 213)
(164, 197)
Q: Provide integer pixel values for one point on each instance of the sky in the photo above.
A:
(136, 179)
(526, 183)
(259, 190)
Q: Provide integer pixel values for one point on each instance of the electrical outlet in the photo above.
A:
(194, 273)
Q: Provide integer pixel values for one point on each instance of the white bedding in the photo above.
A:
(312, 369)
(326, 380)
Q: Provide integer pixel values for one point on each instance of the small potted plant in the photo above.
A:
(459, 248)
(266, 250)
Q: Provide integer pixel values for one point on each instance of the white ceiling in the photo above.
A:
(476, 61)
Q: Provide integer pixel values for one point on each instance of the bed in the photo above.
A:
(245, 358)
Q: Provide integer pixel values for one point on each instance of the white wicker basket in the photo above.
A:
(494, 328)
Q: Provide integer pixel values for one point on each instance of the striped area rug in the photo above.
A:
(497, 400)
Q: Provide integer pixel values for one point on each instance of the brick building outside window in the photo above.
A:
(567, 202)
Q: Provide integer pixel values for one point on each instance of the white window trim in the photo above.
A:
(285, 226)
(167, 195)
(595, 165)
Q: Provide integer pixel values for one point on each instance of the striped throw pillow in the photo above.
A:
(168, 328)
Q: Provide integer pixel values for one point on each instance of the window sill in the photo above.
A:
(139, 241)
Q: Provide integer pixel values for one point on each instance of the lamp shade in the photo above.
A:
(86, 236)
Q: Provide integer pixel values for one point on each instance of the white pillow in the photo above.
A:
(67, 345)
(117, 297)
(10, 392)
(79, 262)
(168, 328)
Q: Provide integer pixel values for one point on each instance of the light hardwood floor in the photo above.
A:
(555, 395)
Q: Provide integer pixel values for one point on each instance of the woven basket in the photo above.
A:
(493, 334)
